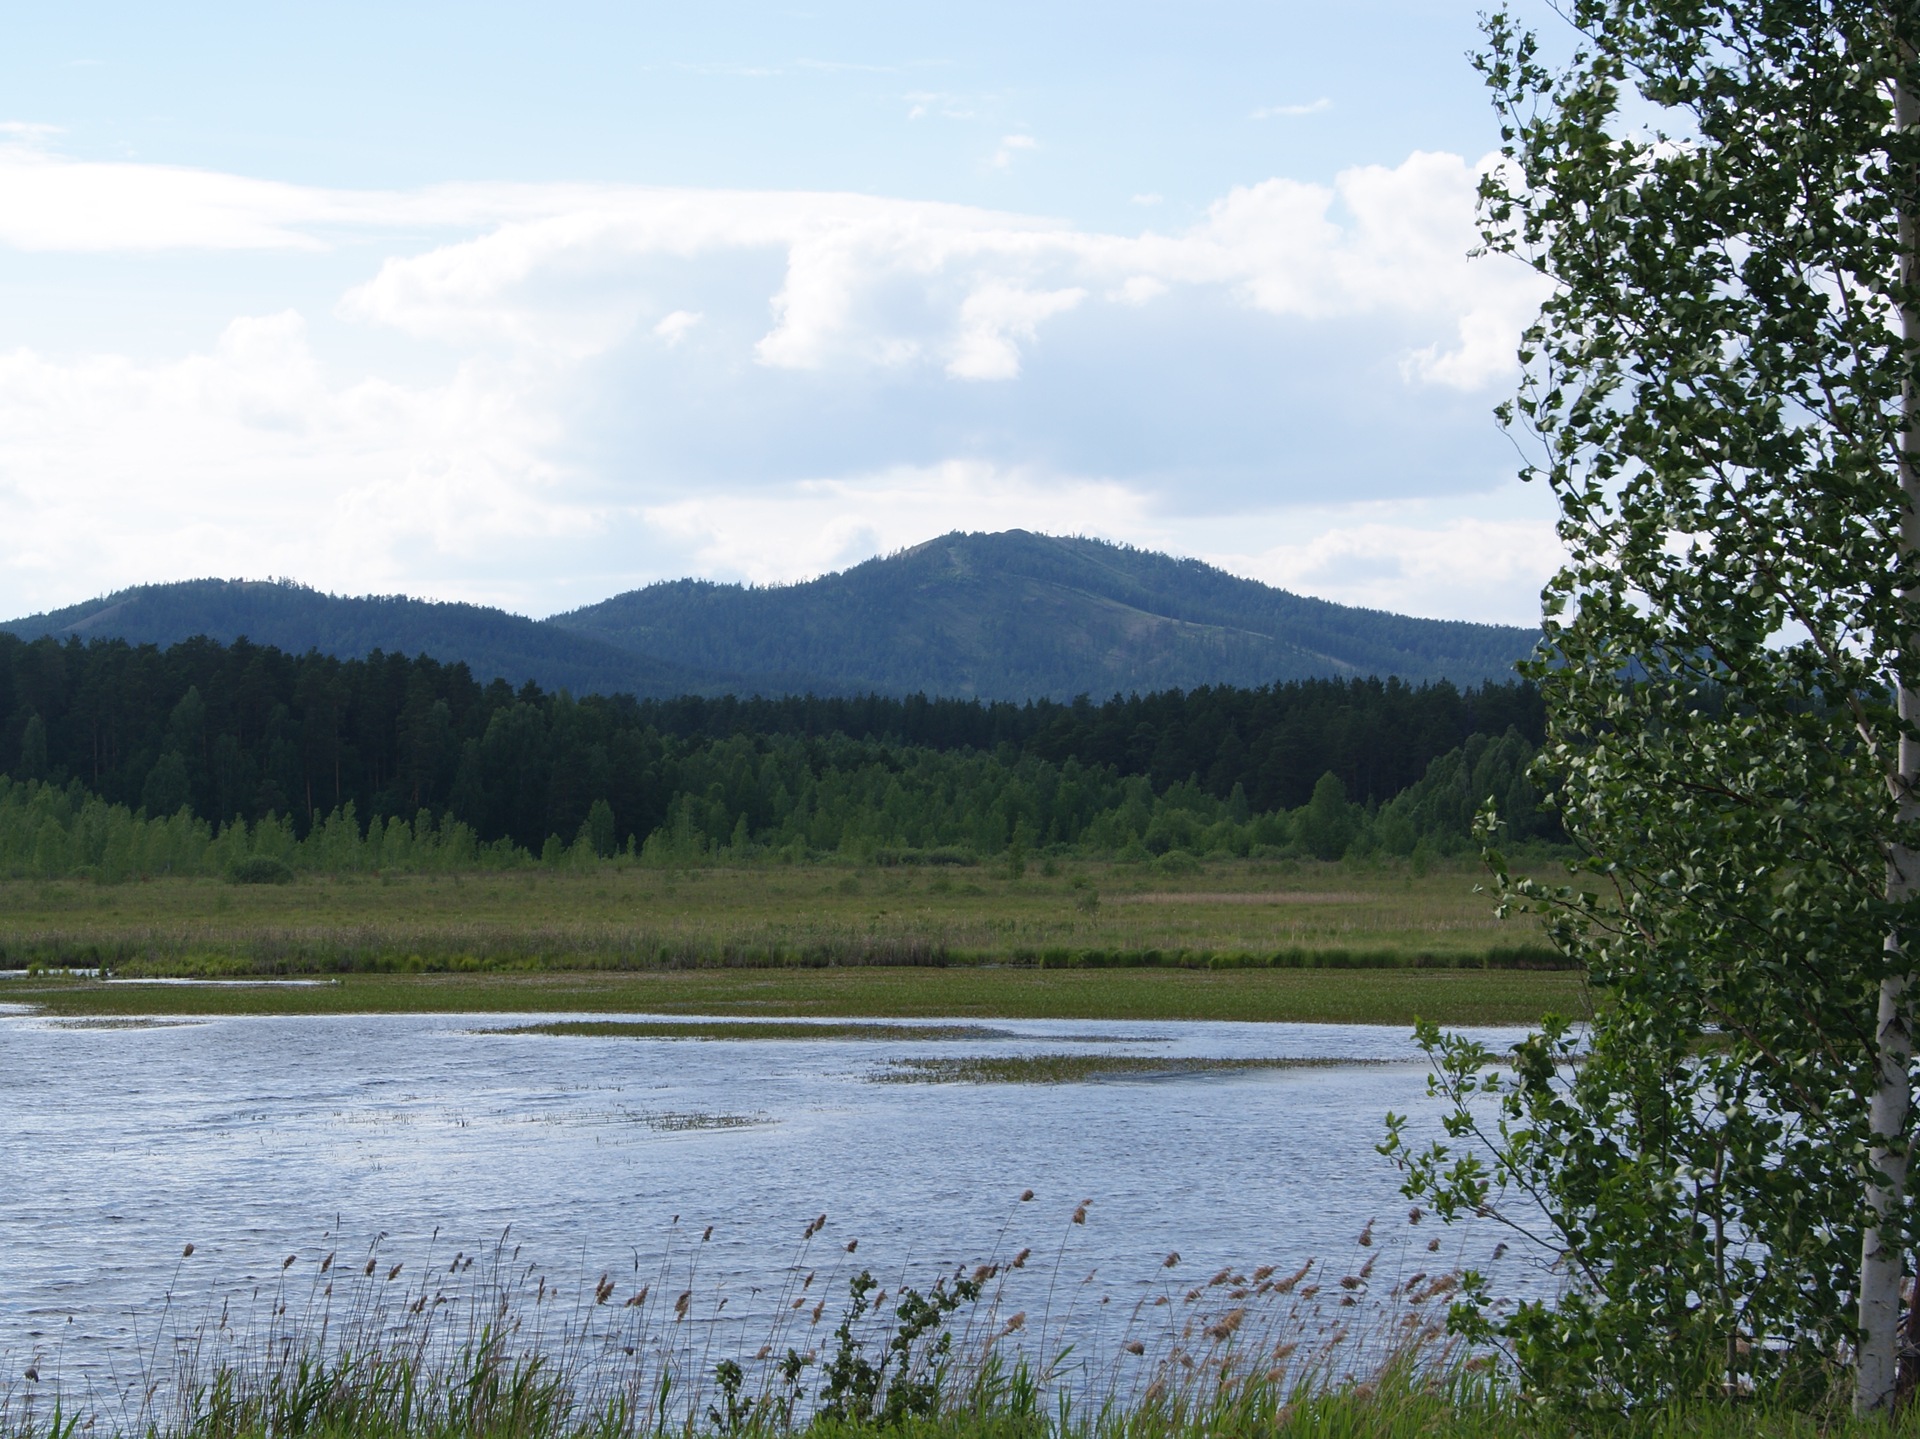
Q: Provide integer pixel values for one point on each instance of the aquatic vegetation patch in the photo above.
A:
(675, 1123)
(750, 1029)
(1079, 1068)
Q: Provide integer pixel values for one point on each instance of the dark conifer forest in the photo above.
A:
(399, 761)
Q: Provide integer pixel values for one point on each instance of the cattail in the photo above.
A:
(1171, 1260)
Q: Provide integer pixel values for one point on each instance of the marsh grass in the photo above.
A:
(624, 918)
(1079, 1068)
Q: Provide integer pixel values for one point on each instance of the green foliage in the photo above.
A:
(1715, 385)
(259, 869)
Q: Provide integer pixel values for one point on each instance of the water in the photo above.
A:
(255, 1138)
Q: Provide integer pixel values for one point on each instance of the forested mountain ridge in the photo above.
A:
(1016, 615)
(295, 618)
(1011, 616)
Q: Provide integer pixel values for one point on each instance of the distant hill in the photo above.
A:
(1017, 615)
(1011, 616)
(492, 643)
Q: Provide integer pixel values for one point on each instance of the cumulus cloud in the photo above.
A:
(251, 455)
(244, 459)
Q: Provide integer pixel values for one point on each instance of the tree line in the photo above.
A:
(104, 741)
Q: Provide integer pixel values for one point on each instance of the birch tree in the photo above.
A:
(1721, 394)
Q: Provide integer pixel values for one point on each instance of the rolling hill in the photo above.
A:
(993, 616)
(1017, 615)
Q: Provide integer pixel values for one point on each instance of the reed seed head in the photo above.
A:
(1026, 1195)
(287, 1263)
(1172, 1259)
(1020, 1259)
(187, 1253)
(1134, 1346)
(708, 1235)
(852, 1244)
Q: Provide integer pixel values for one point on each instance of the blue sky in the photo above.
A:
(529, 305)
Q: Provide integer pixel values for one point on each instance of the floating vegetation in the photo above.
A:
(670, 1123)
(137, 1021)
(1079, 1068)
(750, 1029)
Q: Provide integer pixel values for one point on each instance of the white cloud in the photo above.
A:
(246, 460)
(1284, 112)
(1480, 558)
(1011, 145)
(673, 328)
(992, 318)
(823, 525)
(1149, 199)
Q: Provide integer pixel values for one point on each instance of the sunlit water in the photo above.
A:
(258, 1138)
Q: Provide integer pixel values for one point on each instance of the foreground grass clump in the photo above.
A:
(489, 1347)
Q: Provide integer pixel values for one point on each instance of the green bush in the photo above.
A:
(259, 869)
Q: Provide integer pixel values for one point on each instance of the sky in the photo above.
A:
(530, 304)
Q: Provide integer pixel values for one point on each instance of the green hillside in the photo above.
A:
(1018, 615)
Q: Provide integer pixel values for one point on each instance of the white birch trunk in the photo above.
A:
(1882, 1258)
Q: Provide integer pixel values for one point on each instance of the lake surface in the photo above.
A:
(256, 1138)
